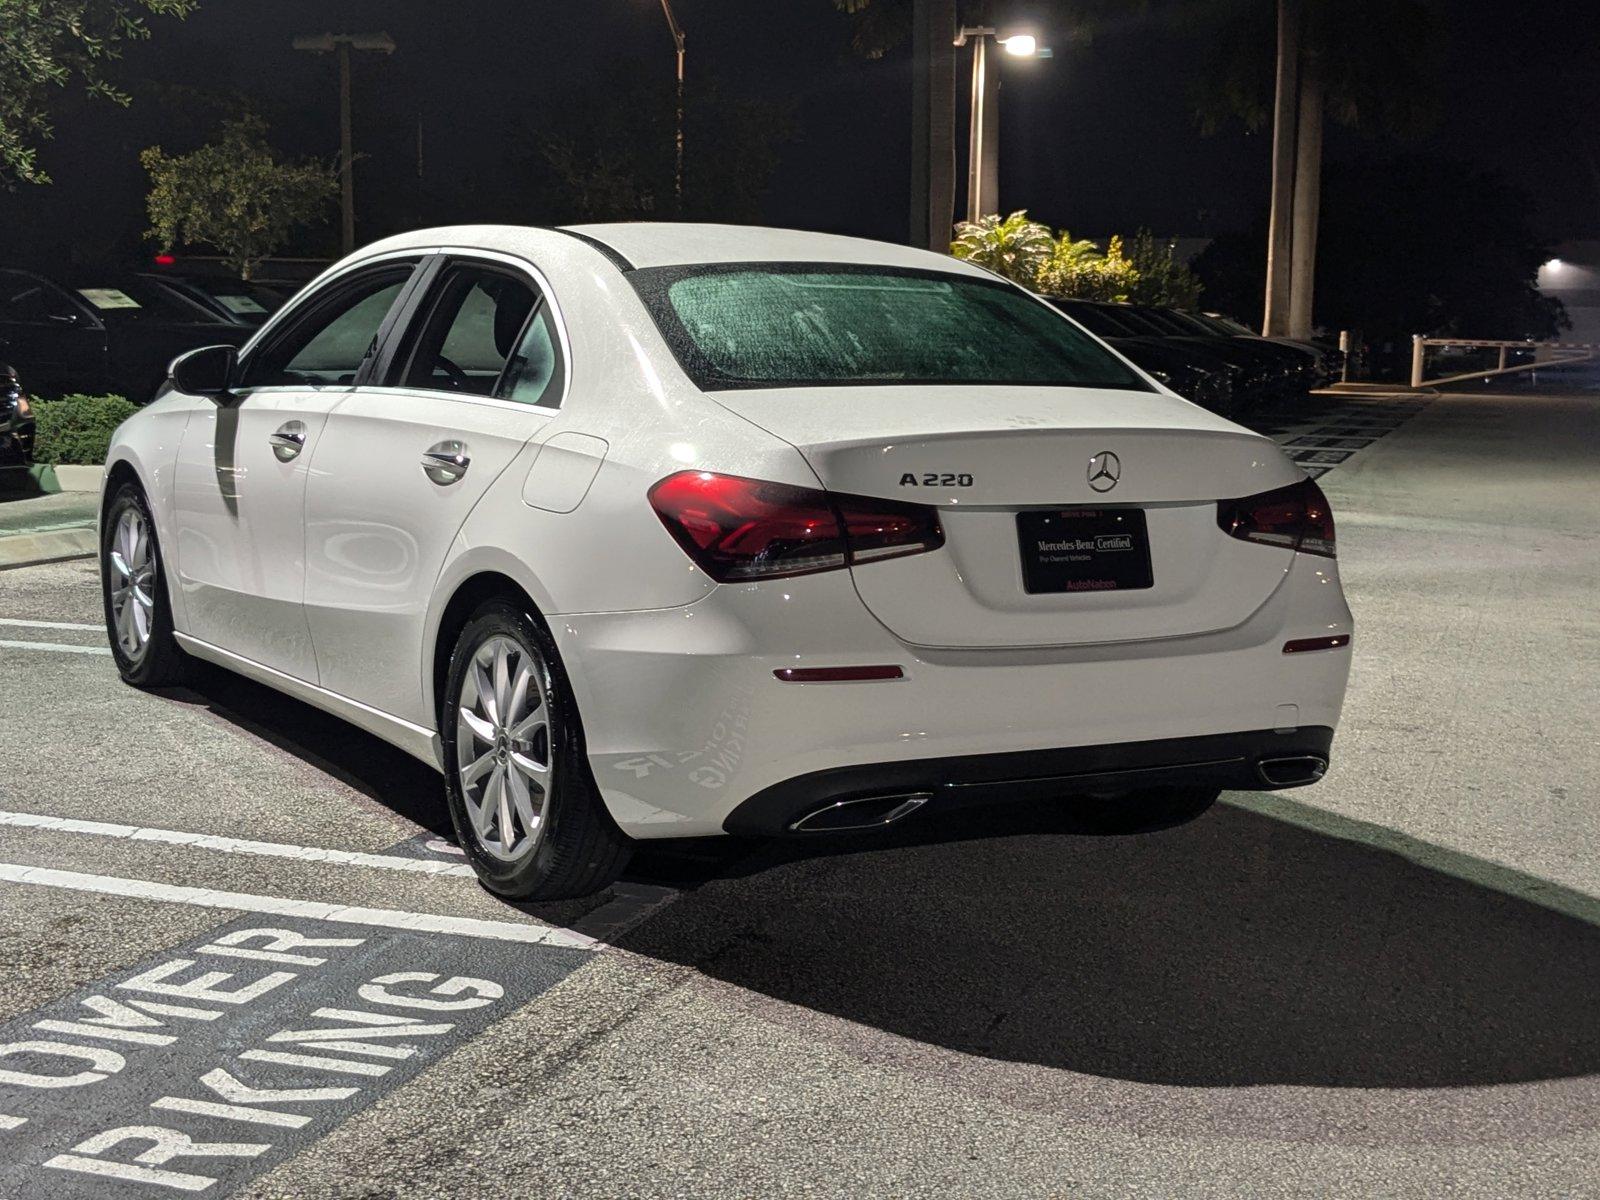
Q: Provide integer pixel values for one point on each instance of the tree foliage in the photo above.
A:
(234, 194)
(1012, 246)
(1057, 264)
(1379, 59)
(46, 46)
(1159, 276)
(611, 154)
(1108, 276)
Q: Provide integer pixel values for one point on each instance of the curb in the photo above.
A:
(47, 479)
(53, 545)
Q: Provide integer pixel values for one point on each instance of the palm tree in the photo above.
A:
(1367, 63)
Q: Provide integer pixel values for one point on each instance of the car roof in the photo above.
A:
(665, 244)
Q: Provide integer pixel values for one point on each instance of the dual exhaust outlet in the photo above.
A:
(875, 812)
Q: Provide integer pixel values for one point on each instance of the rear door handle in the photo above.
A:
(288, 440)
(445, 462)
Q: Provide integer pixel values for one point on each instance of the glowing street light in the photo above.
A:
(983, 137)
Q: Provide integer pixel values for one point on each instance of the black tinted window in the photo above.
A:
(24, 298)
(796, 325)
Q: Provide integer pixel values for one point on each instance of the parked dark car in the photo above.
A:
(1208, 380)
(1329, 357)
(1301, 371)
(236, 301)
(115, 334)
(1276, 374)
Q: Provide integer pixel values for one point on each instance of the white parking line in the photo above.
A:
(22, 624)
(58, 647)
(315, 910)
(228, 845)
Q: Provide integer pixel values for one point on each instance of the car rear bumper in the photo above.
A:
(878, 794)
(685, 721)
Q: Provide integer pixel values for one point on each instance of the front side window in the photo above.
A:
(488, 332)
(330, 342)
(759, 325)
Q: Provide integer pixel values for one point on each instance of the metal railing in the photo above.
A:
(1545, 354)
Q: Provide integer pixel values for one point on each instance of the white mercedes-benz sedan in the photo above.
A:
(648, 531)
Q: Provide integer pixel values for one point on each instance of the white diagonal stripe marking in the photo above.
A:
(229, 845)
(314, 910)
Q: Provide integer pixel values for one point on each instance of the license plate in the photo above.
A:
(1084, 550)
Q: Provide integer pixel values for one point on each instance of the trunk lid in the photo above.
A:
(984, 455)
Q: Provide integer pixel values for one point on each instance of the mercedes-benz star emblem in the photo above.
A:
(1105, 469)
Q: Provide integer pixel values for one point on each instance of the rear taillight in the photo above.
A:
(735, 528)
(1296, 517)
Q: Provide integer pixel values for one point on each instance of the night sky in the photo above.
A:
(1099, 139)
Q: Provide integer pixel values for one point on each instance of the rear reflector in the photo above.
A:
(736, 528)
(1300, 645)
(837, 674)
(1296, 517)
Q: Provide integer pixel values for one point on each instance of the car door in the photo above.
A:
(240, 480)
(477, 373)
(56, 344)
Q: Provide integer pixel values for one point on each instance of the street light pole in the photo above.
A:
(341, 44)
(677, 41)
(983, 135)
(347, 183)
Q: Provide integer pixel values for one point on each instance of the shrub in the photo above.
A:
(77, 429)
(1078, 270)
(1161, 278)
(1014, 246)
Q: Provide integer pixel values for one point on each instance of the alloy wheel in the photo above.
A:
(133, 583)
(504, 730)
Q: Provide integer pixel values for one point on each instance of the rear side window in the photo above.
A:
(801, 325)
(487, 332)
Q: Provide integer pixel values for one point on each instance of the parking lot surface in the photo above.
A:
(242, 959)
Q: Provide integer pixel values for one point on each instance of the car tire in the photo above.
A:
(495, 731)
(1147, 809)
(133, 589)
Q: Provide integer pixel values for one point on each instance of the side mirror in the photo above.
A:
(208, 371)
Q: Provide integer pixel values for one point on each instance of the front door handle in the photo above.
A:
(445, 462)
(288, 440)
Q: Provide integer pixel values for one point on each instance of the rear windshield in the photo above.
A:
(765, 325)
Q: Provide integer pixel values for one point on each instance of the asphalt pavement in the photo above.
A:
(1388, 984)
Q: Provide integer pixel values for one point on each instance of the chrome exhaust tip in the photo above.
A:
(863, 812)
(1291, 771)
